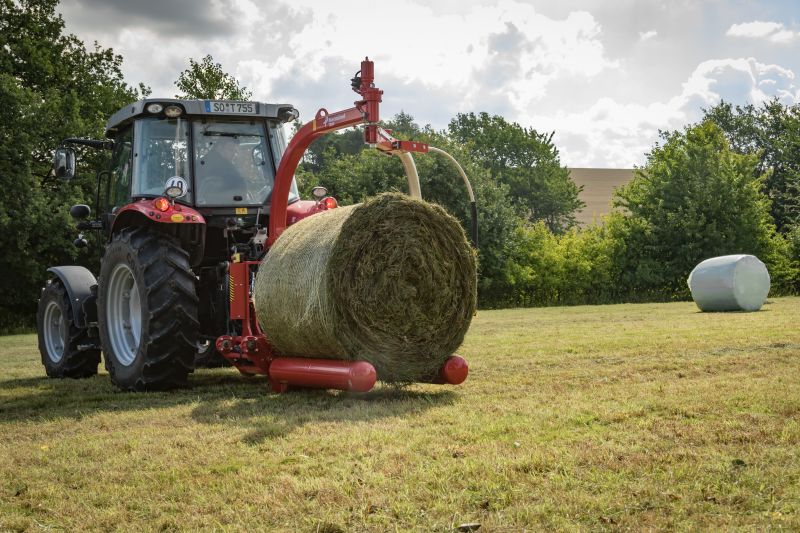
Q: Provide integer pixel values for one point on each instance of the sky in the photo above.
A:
(605, 76)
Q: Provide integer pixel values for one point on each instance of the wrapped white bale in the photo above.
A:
(730, 283)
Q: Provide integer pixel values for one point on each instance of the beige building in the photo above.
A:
(598, 188)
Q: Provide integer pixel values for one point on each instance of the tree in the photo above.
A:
(207, 81)
(526, 161)
(51, 88)
(772, 133)
(695, 198)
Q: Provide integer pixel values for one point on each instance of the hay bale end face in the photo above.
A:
(391, 281)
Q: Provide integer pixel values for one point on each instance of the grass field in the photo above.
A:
(623, 417)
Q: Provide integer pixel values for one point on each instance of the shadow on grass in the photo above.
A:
(268, 416)
(219, 397)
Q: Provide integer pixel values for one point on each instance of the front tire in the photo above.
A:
(65, 349)
(147, 311)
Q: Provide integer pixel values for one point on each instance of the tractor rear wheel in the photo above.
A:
(147, 311)
(65, 350)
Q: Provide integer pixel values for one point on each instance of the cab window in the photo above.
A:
(119, 187)
(232, 162)
(160, 153)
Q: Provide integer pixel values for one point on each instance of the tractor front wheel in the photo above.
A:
(66, 351)
(147, 311)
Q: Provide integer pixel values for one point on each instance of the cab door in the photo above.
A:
(118, 188)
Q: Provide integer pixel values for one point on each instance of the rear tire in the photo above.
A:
(60, 340)
(147, 311)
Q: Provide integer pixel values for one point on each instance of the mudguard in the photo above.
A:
(79, 282)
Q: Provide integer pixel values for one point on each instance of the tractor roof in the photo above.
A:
(223, 108)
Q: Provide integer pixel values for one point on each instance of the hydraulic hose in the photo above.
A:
(411, 173)
(473, 205)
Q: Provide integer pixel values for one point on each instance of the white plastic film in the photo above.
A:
(730, 283)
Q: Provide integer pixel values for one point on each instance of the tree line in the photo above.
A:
(728, 184)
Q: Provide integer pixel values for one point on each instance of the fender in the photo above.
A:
(174, 214)
(79, 282)
(180, 221)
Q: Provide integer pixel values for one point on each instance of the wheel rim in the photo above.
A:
(123, 314)
(55, 331)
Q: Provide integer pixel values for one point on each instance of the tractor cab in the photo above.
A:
(219, 155)
(208, 166)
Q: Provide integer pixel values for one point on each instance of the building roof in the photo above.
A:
(598, 189)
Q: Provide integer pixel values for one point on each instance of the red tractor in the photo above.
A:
(196, 193)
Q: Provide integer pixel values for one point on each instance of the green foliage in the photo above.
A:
(51, 88)
(580, 266)
(207, 81)
(695, 198)
(526, 161)
(772, 133)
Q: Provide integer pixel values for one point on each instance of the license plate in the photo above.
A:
(236, 108)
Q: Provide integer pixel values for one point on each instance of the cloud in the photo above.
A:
(775, 32)
(604, 76)
(497, 58)
(647, 35)
(619, 134)
(204, 18)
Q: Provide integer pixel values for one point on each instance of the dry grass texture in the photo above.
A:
(652, 417)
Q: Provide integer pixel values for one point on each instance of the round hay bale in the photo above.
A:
(730, 283)
(391, 281)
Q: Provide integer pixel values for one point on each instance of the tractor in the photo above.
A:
(195, 194)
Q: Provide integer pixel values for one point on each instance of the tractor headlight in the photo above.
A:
(154, 108)
(173, 111)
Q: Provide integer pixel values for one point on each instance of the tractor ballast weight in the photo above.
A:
(165, 287)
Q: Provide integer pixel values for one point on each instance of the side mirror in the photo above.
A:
(80, 211)
(64, 163)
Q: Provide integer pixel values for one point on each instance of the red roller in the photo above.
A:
(357, 376)
(454, 371)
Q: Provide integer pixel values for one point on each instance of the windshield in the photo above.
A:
(232, 160)
(161, 152)
(232, 163)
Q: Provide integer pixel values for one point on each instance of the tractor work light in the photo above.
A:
(173, 111)
(288, 114)
(154, 108)
(162, 204)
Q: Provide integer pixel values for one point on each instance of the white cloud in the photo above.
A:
(572, 66)
(611, 133)
(647, 35)
(775, 32)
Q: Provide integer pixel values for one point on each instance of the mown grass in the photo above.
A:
(643, 417)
